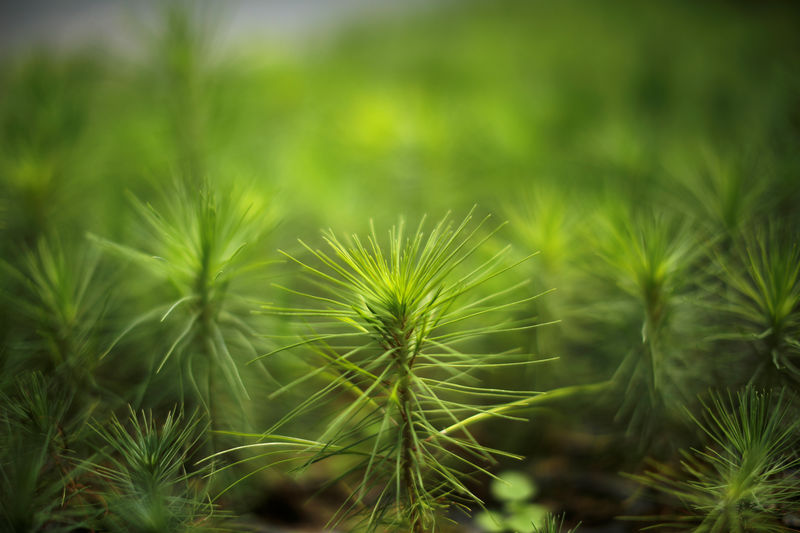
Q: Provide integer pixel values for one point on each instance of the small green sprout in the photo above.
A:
(515, 491)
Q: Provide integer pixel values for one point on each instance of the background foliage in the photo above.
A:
(648, 151)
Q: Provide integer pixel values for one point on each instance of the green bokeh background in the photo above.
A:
(555, 116)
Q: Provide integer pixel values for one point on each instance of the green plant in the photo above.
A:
(196, 247)
(38, 481)
(395, 334)
(63, 301)
(650, 258)
(717, 188)
(43, 118)
(145, 482)
(764, 300)
(746, 476)
(546, 220)
(515, 491)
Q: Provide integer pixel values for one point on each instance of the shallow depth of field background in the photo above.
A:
(590, 127)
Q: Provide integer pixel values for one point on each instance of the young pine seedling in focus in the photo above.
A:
(394, 332)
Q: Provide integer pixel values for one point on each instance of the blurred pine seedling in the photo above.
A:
(197, 248)
(145, 474)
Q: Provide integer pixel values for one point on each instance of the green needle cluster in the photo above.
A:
(392, 331)
(746, 476)
(194, 247)
(146, 484)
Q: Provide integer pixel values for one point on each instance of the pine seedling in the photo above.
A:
(721, 191)
(546, 221)
(747, 475)
(38, 481)
(145, 483)
(63, 303)
(650, 258)
(764, 300)
(394, 335)
(196, 246)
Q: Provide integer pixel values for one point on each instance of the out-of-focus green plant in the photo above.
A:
(43, 117)
(39, 489)
(721, 192)
(650, 256)
(764, 300)
(546, 221)
(195, 246)
(393, 333)
(146, 480)
(63, 303)
(515, 491)
(746, 476)
(180, 53)
(650, 259)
